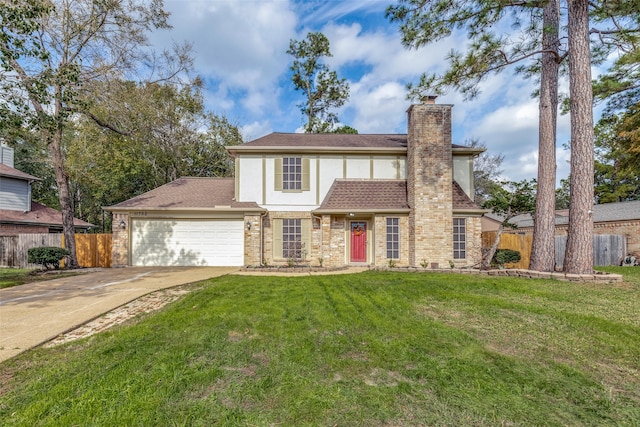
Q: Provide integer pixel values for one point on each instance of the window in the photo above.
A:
(291, 173)
(393, 238)
(292, 239)
(459, 238)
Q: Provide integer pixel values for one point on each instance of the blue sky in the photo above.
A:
(240, 52)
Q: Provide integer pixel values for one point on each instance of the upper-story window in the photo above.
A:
(292, 173)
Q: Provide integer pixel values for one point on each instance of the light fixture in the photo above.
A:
(352, 214)
(123, 224)
(248, 225)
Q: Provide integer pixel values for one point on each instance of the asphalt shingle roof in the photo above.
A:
(10, 172)
(366, 194)
(380, 195)
(39, 215)
(329, 141)
(188, 193)
(607, 212)
(460, 199)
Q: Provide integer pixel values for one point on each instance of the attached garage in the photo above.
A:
(187, 222)
(162, 242)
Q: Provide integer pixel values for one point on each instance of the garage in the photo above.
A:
(176, 242)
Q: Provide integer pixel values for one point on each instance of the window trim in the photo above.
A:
(459, 238)
(279, 174)
(393, 238)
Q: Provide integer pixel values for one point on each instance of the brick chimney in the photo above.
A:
(429, 178)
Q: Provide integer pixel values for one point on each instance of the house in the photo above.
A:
(329, 199)
(18, 213)
(622, 218)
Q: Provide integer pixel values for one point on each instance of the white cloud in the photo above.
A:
(240, 50)
(255, 130)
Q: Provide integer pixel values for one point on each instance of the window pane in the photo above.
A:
(393, 238)
(292, 238)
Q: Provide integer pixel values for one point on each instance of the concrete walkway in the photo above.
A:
(34, 313)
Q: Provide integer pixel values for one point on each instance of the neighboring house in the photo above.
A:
(330, 199)
(491, 222)
(622, 218)
(18, 214)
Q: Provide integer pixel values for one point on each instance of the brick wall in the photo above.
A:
(474, 243)
(252, 243)
(120, 249)
(312, 253)
(381, 241)
(429, 178)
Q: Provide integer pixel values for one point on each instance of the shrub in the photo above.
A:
(504, 256)
(47, 256)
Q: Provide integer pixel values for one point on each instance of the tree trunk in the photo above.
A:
(62, 181)
(486, 260)
(579, 255)
(543, 247)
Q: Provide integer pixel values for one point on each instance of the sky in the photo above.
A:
(239, 48)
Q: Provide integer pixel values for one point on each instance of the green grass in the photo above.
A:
(371, 349)
(19, 276)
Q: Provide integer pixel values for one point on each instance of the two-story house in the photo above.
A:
(330, 199)
(18, 213)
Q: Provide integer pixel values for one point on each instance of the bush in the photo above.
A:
(504, 256)
(47, 256)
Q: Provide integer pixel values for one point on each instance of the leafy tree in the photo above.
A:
(617, 164)
(345, 129)
(486, 172)
(536, 40)
(50, 52)
(562, 195)
(171, 136)
(512, 199)
(323, 89)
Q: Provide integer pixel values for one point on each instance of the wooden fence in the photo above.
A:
(92, 250)
(516, 242)
(608, 249)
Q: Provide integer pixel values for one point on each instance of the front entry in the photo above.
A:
(358, 241)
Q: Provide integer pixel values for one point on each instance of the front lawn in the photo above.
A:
(369, 349)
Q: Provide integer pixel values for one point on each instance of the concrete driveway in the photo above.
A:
(34, 313)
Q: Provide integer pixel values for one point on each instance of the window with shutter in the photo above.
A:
(292, 174)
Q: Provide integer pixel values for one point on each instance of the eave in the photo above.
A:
(235, 149)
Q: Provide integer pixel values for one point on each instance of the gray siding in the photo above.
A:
(14, 194)
(6, 155)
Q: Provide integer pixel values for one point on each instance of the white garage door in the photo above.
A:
(187, 242)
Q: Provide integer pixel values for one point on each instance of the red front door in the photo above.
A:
(358, 241)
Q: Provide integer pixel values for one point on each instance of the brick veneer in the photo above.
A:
(429, 178)
(381, 240)
(252, 243)
(120, 239)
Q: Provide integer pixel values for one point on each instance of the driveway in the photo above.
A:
(34, 313)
